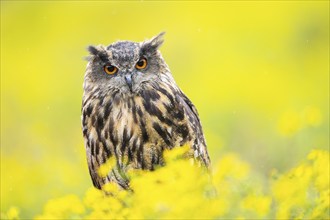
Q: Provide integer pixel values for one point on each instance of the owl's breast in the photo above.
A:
(135, 129)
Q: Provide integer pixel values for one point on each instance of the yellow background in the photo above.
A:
(258, 72)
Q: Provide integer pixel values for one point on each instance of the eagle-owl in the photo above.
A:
(133, 110)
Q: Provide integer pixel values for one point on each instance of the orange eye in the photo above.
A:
(109, 69)
(141, 64)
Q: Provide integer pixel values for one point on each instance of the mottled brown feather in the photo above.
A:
(135, 126)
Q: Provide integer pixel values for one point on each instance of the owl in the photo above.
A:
(132, 110)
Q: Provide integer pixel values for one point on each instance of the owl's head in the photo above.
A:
(125, 66)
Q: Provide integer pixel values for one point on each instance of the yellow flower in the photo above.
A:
(106, 167)
(183, 190)
(64, 207)
(92, 197)
(232, 167)
(13, 213)
(257, 204)
(320, 165)
(312, 116)
(289, 123)
(176, 153)
(303, 192)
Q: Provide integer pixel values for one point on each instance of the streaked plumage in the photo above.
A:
(134, 114)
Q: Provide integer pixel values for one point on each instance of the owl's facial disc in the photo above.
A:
(125, 66)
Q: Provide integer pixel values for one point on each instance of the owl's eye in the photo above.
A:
(141, 64)
(109, 69)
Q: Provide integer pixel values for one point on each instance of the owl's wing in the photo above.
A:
(199, 143)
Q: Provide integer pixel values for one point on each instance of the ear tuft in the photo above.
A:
(157, 41)
(150, 46)
(92, 50)
(98, 52)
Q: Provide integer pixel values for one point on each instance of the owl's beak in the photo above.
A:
(128, 79)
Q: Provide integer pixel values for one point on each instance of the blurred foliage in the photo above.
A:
(258, 72)
(181, 190)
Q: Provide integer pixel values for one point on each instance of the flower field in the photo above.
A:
(257, 72)
(181, 190)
